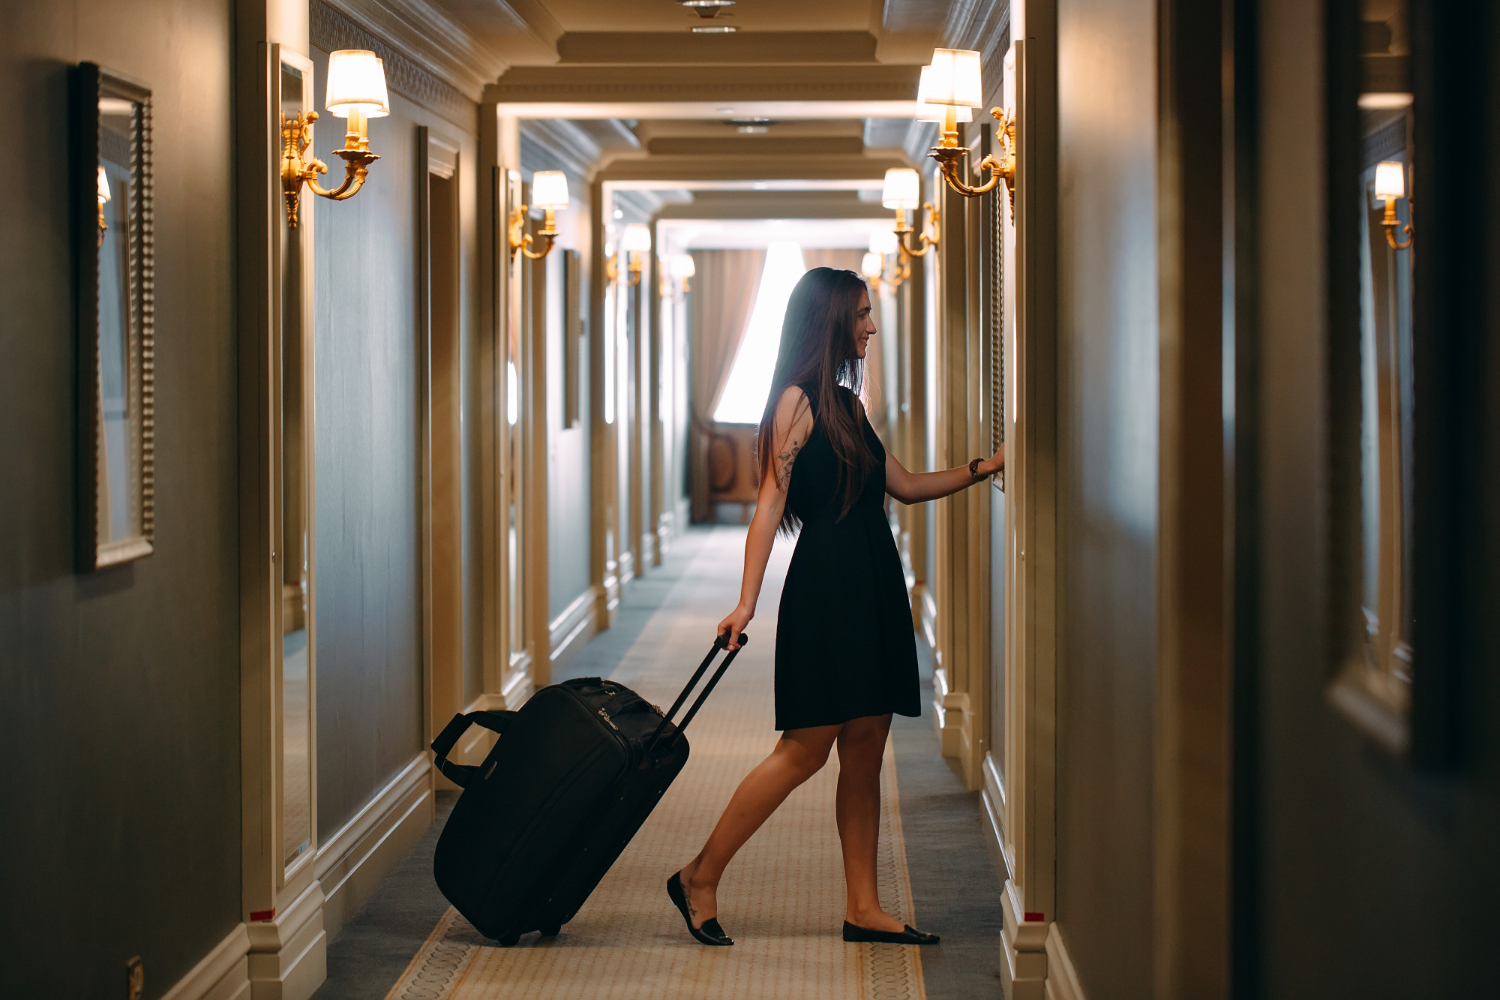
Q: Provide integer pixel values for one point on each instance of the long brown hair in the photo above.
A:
(817, 349)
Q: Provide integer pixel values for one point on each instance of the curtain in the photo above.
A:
(725, 283)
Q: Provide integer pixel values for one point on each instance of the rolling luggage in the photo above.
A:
(574, 774)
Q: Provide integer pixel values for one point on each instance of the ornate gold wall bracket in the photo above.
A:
(299, 169)
(926, 240)
(952, 156)
(521, 240)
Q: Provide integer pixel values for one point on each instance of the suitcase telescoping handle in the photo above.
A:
(459, 774)
(719, 643)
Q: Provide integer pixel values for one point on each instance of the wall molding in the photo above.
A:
(576, 625)
(222, 974)
(354, 860)
(342, 27)
(288, 957)
(1023, 948)
(1062, 978)
(992, 799)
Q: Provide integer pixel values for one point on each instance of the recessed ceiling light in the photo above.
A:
(759, 187)
(706, 4)
(714, 29)
(726, 111)
(752, 129)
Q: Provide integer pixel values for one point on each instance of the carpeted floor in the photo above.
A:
(945, 852)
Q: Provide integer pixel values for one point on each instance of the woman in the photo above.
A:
(846, 656)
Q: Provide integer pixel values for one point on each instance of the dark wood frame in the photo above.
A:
(1447, 311)
(91, 83)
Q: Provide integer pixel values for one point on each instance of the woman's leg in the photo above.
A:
(799, 754)
(861, 747)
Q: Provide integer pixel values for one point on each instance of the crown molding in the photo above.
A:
(751, 47)
(330, 28)
(559, 144)
(429, 38)
(737, 84)
(752, 168)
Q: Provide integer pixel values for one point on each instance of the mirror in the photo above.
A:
(293, 351)
(1373, 392)
(116, 311)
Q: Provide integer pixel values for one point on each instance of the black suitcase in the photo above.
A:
(573, 776)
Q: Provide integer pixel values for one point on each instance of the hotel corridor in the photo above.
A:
(782, 899)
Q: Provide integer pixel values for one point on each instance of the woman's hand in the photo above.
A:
(995, 463)
(735, 624)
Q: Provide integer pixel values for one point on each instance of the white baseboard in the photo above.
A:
(288, 957)
(1023, 949)
(223, 974)
(354, 860)
(575, 626)
(992, 798)
(517, 690)
(1062, 978)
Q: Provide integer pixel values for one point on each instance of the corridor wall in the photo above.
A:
(1107, 476)
(119, 689)
(368, 452)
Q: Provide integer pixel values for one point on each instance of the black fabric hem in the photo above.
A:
(850, 718)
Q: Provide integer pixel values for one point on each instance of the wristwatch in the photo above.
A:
(974, 468)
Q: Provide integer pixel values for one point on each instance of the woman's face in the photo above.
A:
(864, 326)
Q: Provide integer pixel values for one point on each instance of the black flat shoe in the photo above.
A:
(710, 933)
(908, 936)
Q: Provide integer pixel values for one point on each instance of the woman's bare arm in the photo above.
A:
(794, 423)
(915, 487)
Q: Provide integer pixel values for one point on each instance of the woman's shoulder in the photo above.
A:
(795, 405)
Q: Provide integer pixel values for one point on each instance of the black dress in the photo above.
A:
(845, 647)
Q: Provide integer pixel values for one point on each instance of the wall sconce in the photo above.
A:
(873, 266)
(636, 243)
(950, 87)
(683, 270)
(549, 192)
(903, 190)
(1390, 184)
(356, 91)
(883, 243)
(104, 196)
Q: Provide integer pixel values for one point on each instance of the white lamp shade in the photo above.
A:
(356, 82)
(873, 265)
(103, 187)
(549, 189)
(952, 78)
(637, 238)
(1390, 180)
(937, 112)
(882, 241)
(683, 266)
(903, 188)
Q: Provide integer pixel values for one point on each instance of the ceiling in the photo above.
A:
(624, 91)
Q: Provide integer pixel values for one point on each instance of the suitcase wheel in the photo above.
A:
(551, 930)
(509, 940)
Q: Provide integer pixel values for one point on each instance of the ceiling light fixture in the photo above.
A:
(706, 8)
(714, 29)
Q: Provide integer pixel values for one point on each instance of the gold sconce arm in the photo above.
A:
(521, 240)
(299, 169)
(1391, 224)
(632, 271)
(924, 241)
(951, 158)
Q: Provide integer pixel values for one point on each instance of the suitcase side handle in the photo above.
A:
(720, 642)
(459, 774)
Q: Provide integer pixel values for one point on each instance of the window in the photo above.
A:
(744, 397)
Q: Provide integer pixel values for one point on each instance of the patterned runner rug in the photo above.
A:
(783, 897)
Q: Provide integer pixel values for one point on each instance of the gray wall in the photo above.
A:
(119, 690)
(369, 583)
(1107, 468)
(1377, 878)
(567, 452)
